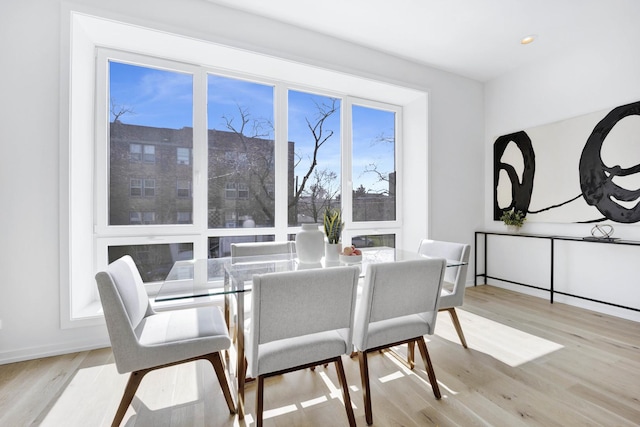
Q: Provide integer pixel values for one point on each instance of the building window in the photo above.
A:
(135, 152)
(135, 187)
(149, 153)
(135, 217)
(183, 155)
(243, 191)
(149, 187)
(142, 152)
(183, 217)
(148, 217)
(142, 218)
(230, 190)
(184, 188)
(230, 220)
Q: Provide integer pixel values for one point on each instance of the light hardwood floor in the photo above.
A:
(529, 363)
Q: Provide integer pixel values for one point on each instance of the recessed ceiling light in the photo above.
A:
(528, 39)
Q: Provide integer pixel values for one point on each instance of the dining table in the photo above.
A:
(231, 277)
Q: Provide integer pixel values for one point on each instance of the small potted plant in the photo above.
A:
(333, 225)
(513, 219)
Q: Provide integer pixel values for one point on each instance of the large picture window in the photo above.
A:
(169, 123)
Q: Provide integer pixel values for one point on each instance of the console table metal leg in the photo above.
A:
(551, 282)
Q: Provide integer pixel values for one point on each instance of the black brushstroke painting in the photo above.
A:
(596, 178)
(520, 191)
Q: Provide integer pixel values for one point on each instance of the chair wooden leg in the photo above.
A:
(456, 323)
(422, 346)
(218, 367)
(345, 391)
(130, 390)
(411, 352)
(366, 388)
(259, 401)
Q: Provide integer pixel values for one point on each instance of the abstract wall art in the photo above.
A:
(580, 170)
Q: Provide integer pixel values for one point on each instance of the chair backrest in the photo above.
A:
(297, 303)
(260, 248)
(393, 290)
(125, 304)
(457, 276)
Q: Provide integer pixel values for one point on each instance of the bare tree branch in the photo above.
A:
(118, 111)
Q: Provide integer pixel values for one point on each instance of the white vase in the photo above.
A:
(514, 229)
(332, 251)
(310, 244)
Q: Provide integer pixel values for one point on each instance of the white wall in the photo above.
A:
(589, 80)
(30, 120)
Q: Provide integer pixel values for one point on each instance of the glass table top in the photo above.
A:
(219, 276)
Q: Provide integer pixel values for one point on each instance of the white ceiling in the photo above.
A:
(479, 39)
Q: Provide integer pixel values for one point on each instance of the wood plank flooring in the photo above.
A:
(529, 363)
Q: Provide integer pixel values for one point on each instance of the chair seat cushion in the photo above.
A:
(181, 334)
(285, 353)
(393, 330)
(449, 299)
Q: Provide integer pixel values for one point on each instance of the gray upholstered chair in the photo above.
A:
(301, 319)
(260, 248)
(454, 279)
(250, 249)
(399, 305)
(143, 340)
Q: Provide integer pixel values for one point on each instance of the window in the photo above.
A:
(142, 218)
(230, 191)
(243, 191)
(135, 217)
(149, 187)
(183, 217)
(135, 187)
(243, 179)
(241, 148)
(154, 261)
(184, 188)
(135, 152)
(149, 153)
(142, 187)
(148, 217)
(183, 155)
(139, 152)
(374, 180)
(154, 125)
(314, 126)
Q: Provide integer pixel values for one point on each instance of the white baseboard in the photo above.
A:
(38, 352)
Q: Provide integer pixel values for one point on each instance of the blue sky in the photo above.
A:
(162, 98)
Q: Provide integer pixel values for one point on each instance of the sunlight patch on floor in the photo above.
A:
(311, 402)
(504, 343)
(405, 371)
(391, 377)
(97, 382)
(270, 413)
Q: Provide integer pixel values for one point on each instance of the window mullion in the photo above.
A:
(282, 159)
(200, 161)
